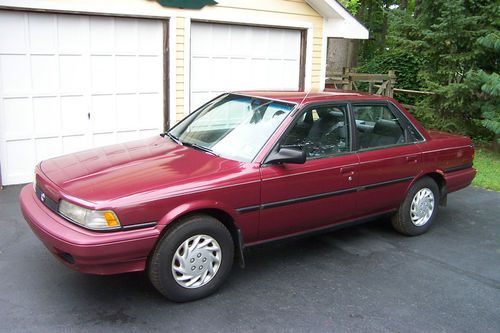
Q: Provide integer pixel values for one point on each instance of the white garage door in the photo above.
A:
(71, 82)
(231, 57)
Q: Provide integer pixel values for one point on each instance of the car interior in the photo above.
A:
(322, 131)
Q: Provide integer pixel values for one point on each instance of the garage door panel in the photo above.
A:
(200, 66)
(72, 34)
(104, 139)
(101, 35)
(260, 43)
(24, 152)
(74, 115)
(257, 58)
(74, 76)
(126, 74)
(243, 71)
(15, 72)
(44, 69)
(221, 39)
(127, 136)
(148, 34)
(12, 33)
(240, 46)
(74, 143)
(103, 74)
(201, 41)
(43, 38)
(47, 120)
(148, 103)
(103, 113)
(127, 111)
(200, 98)
(150, 77)
(18, 115)
(47, 147)
(291, 45)
(125, 36)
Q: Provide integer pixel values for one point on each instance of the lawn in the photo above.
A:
(487, 164)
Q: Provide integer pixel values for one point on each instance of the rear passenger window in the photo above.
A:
(377, 126)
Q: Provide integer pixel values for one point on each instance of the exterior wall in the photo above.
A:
(280, 13)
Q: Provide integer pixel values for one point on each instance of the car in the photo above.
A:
(244, 169)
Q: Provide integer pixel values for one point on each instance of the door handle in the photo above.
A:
(412, 159)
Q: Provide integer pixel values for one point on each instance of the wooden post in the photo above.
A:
(391, 84)
(346, 77)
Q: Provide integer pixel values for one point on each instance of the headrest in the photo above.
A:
(387, 128)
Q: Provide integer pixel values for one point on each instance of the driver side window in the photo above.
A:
(320, 132)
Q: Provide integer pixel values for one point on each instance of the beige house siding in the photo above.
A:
(180, 55)
(268, 10)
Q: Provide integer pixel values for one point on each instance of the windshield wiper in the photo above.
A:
(197, 146)
(172, 137)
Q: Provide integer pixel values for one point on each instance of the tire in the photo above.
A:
(413, 219)
(199, 244)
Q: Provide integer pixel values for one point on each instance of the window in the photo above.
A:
(234, 126)
(377, 126)
(320, 132)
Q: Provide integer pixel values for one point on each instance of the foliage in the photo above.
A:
(490, 87)
(351, 5)
(449, 47)
(487, 164)
(407, 66)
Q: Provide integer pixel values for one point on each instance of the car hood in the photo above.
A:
(104, 174)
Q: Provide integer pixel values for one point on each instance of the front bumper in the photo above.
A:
(87, 251)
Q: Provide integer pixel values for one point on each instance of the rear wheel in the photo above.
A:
(417, 212)
(192, 260)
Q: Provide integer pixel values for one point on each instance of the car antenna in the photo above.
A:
(301, 102)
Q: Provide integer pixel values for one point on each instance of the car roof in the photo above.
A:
(312, 96)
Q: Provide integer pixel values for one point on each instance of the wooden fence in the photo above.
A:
(379, 84)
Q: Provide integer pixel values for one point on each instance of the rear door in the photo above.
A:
(388, 156)
(302, 197)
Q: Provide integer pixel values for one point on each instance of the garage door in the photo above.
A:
(71, 82)
(231, 57)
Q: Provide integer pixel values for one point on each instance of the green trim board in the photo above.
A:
(187, 4)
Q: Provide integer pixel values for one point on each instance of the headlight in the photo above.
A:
(92, 219)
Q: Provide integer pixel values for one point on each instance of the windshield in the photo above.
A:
(234, 126)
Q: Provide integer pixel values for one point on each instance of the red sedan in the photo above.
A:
(244, 169)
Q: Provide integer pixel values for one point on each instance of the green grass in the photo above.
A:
(487, 164)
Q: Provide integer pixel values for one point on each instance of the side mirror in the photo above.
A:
(287, 155)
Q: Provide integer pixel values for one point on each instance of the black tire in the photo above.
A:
(402, 220)
(160, 265)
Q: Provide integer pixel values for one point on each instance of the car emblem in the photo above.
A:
(42, 197)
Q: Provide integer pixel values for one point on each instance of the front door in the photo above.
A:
(302, 197)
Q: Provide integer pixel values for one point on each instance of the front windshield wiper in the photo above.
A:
(197, 146)
(172, 137)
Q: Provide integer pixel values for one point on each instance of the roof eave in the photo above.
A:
(338, 21)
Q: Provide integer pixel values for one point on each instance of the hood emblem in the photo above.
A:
(42, 197)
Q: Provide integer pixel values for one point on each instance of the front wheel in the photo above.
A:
(417, 212)
(192, 260)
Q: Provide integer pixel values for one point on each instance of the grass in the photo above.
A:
(487, 164)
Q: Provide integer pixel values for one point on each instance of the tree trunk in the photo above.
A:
(418, 5)
(360, 16)
(403, 5)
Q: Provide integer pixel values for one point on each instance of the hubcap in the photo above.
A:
(422, 207)
(196, 261)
